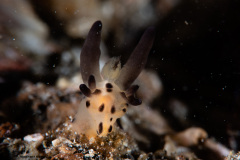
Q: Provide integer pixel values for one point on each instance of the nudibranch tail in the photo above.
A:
(137, 60)
(90, 54)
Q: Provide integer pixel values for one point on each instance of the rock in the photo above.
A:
(37, 137)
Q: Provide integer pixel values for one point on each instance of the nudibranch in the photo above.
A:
(107, 93)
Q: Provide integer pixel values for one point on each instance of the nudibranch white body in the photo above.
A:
(109, 93)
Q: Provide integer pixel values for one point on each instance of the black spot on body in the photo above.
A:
(111, 119)
(109, 85)
(109, 90)
(101, 108)
(100, 128)
(113, 109)
(124, 110)
(110, 129)
(87, 104)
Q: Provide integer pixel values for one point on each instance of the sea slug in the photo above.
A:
(108, 93)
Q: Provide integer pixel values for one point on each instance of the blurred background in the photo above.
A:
(195, 53)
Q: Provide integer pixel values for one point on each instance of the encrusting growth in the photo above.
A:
(107, 94)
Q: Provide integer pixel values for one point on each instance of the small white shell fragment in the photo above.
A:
(34, 137)
(55, 142)
(91, 152)
(61, 140)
